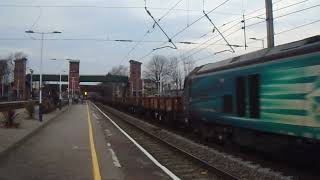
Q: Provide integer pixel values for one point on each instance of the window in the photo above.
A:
(227, 104)
(254, 103)
(241, 96)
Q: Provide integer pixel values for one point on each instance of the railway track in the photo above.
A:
(183, 157)
(184, 164)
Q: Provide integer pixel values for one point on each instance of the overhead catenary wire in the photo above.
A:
(156, 22)
(92, 39)
(276, 34)
(150, 30)
(107, 7)
(264, 21)
(287, 14)
(198, 51)
(35, 22)
(216, 28)
(213, 37)
(183, 29)
(134, 47)
(200, 44)
(37, 19)
(138, 41)
(248, 14)
(297, 27)
(294, 28)
(282, 8)
(293, 12)
(252, 12)
(169, 10)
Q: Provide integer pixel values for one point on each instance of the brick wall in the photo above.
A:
(19, 84)
(74, 77)
(135, 78)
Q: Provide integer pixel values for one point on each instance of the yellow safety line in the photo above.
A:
(95, 163)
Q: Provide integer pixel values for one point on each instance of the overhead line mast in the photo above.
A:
(269, 20)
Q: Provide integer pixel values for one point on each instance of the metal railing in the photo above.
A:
(6, 106)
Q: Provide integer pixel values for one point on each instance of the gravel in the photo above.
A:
(234, 165)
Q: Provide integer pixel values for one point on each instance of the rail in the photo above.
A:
(219, 172)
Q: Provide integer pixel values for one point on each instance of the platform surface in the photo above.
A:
(63, 150)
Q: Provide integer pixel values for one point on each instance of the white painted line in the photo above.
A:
(115, 158)
(167, 171)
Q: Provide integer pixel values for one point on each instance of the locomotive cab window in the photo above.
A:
(227, 104)
(254, 99)
(241, 96)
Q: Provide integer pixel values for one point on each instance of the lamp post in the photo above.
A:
(72, 86)
(60, 92)
(2, 86)
(18, 90)
(256, 39)
(31, 73)
(63, 71)
(41, 59)
(68, 59)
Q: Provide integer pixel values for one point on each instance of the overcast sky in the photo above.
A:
(89, 26)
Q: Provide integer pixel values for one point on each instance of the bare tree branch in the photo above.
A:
(120, 70)
(176, 76)
(188, 65)
(157, 69)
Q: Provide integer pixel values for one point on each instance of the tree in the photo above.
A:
(120, 70)
(188, 65)
(19, 55)
(176, 75)
(157, 69)
(3, 68)
(6, 68)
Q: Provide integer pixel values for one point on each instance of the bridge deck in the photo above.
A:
(83, 78)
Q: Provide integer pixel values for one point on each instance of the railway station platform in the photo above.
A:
(80, 144)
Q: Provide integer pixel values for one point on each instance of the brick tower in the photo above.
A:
(135, 78)
(74, 78)
(19, 84)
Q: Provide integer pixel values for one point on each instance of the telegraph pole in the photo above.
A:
(2, 85)
(31, 73)
(269, 20)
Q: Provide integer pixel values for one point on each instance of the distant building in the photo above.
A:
(117, 87)
(19, 84)
(135, 81)
(74, 77)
